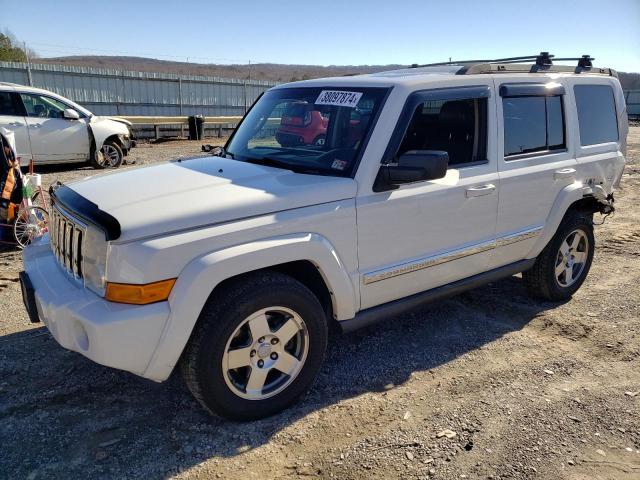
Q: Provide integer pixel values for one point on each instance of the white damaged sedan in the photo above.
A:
(50, 128)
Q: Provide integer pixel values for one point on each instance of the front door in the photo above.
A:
(53, 137)
(12, 118)
(431, 233)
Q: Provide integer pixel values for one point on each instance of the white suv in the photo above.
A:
(49, 128)
(431, 180)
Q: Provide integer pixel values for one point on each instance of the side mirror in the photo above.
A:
(412, 166)
(71, 114)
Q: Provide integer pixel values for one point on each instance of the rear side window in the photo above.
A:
(596, 114)
(533, 124)
(8, 105)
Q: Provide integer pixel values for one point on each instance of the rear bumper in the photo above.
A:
(112, 334)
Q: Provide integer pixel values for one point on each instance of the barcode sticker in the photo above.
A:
(339, 98)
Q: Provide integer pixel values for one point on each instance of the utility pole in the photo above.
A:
(26, 52)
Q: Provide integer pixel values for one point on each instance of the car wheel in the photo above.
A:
(257, 346)
(563, 265)
(110, 156)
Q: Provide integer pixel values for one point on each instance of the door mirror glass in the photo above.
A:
(413, 166)
(71, 114)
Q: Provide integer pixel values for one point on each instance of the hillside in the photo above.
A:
(261, 71)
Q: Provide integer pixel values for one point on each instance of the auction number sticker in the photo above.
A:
(339, 98)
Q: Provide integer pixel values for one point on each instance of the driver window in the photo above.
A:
(42, 106)
(458, 127)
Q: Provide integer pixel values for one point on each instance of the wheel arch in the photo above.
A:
(574, 198)
(307, 257)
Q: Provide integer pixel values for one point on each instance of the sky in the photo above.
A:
(329, 32)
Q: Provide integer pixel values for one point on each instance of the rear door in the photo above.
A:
(53, 137)
(12, 118)
(536, 161)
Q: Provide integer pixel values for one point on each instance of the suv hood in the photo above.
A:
(186, 194)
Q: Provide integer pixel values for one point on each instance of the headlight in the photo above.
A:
(94, 261)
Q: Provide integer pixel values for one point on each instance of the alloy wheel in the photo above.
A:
(571, 258)
(265, 353)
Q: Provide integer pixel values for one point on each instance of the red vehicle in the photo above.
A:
(302, 125)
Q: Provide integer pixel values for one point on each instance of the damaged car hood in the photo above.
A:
(186, 194)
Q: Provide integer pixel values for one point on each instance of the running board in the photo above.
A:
(375, 314)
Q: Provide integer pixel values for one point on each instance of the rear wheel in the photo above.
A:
(257, 347)
(110, 156)
(562, 267)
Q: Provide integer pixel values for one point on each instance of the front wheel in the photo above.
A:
(563, 265)
(257, 347)
(110, 156)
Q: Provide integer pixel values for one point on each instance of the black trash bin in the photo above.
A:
(196, 127)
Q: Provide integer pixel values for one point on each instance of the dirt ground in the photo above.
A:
(490, 384)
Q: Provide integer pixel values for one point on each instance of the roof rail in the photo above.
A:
(540, 63)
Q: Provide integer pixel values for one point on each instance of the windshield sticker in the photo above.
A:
(339, 164)
(339, 98)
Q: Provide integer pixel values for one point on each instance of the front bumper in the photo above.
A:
(112, 334)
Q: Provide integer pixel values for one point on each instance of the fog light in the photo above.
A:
(139, 294)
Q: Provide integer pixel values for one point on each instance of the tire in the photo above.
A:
(110, 156)
(551, 278)
(229, 321)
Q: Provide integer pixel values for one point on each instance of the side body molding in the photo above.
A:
(568, 195)
(203, 274)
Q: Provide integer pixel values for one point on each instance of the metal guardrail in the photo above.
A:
(156, 122)
(178, 120)
(181, 121)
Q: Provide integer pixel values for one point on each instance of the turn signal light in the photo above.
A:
(139, 294)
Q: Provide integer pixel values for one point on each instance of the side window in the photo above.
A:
(533, 124)
(459, 127)
(8, 106)
(596, 114)
(42, 106)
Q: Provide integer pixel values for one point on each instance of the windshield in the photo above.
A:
(308, 130)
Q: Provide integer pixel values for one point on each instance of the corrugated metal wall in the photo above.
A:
(119, 92)
(633, 102)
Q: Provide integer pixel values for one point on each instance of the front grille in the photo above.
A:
(66, 235)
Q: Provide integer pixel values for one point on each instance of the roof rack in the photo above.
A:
(541, 63)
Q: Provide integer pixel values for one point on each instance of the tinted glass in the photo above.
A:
(457, 127)
(555, 127)
(7, 105)
(525, 123)
(596, 114)
(42, 106)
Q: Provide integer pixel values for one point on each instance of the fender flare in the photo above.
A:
(567, 197)
(198, 279)
(98, 134)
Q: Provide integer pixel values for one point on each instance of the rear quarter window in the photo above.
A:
(597, 117)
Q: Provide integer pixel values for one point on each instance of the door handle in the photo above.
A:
(16, 124)
(480, 190)
(35, 125)
(564, 173)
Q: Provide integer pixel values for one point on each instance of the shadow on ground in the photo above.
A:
(62, 415)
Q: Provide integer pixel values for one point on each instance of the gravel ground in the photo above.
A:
(490, 384)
